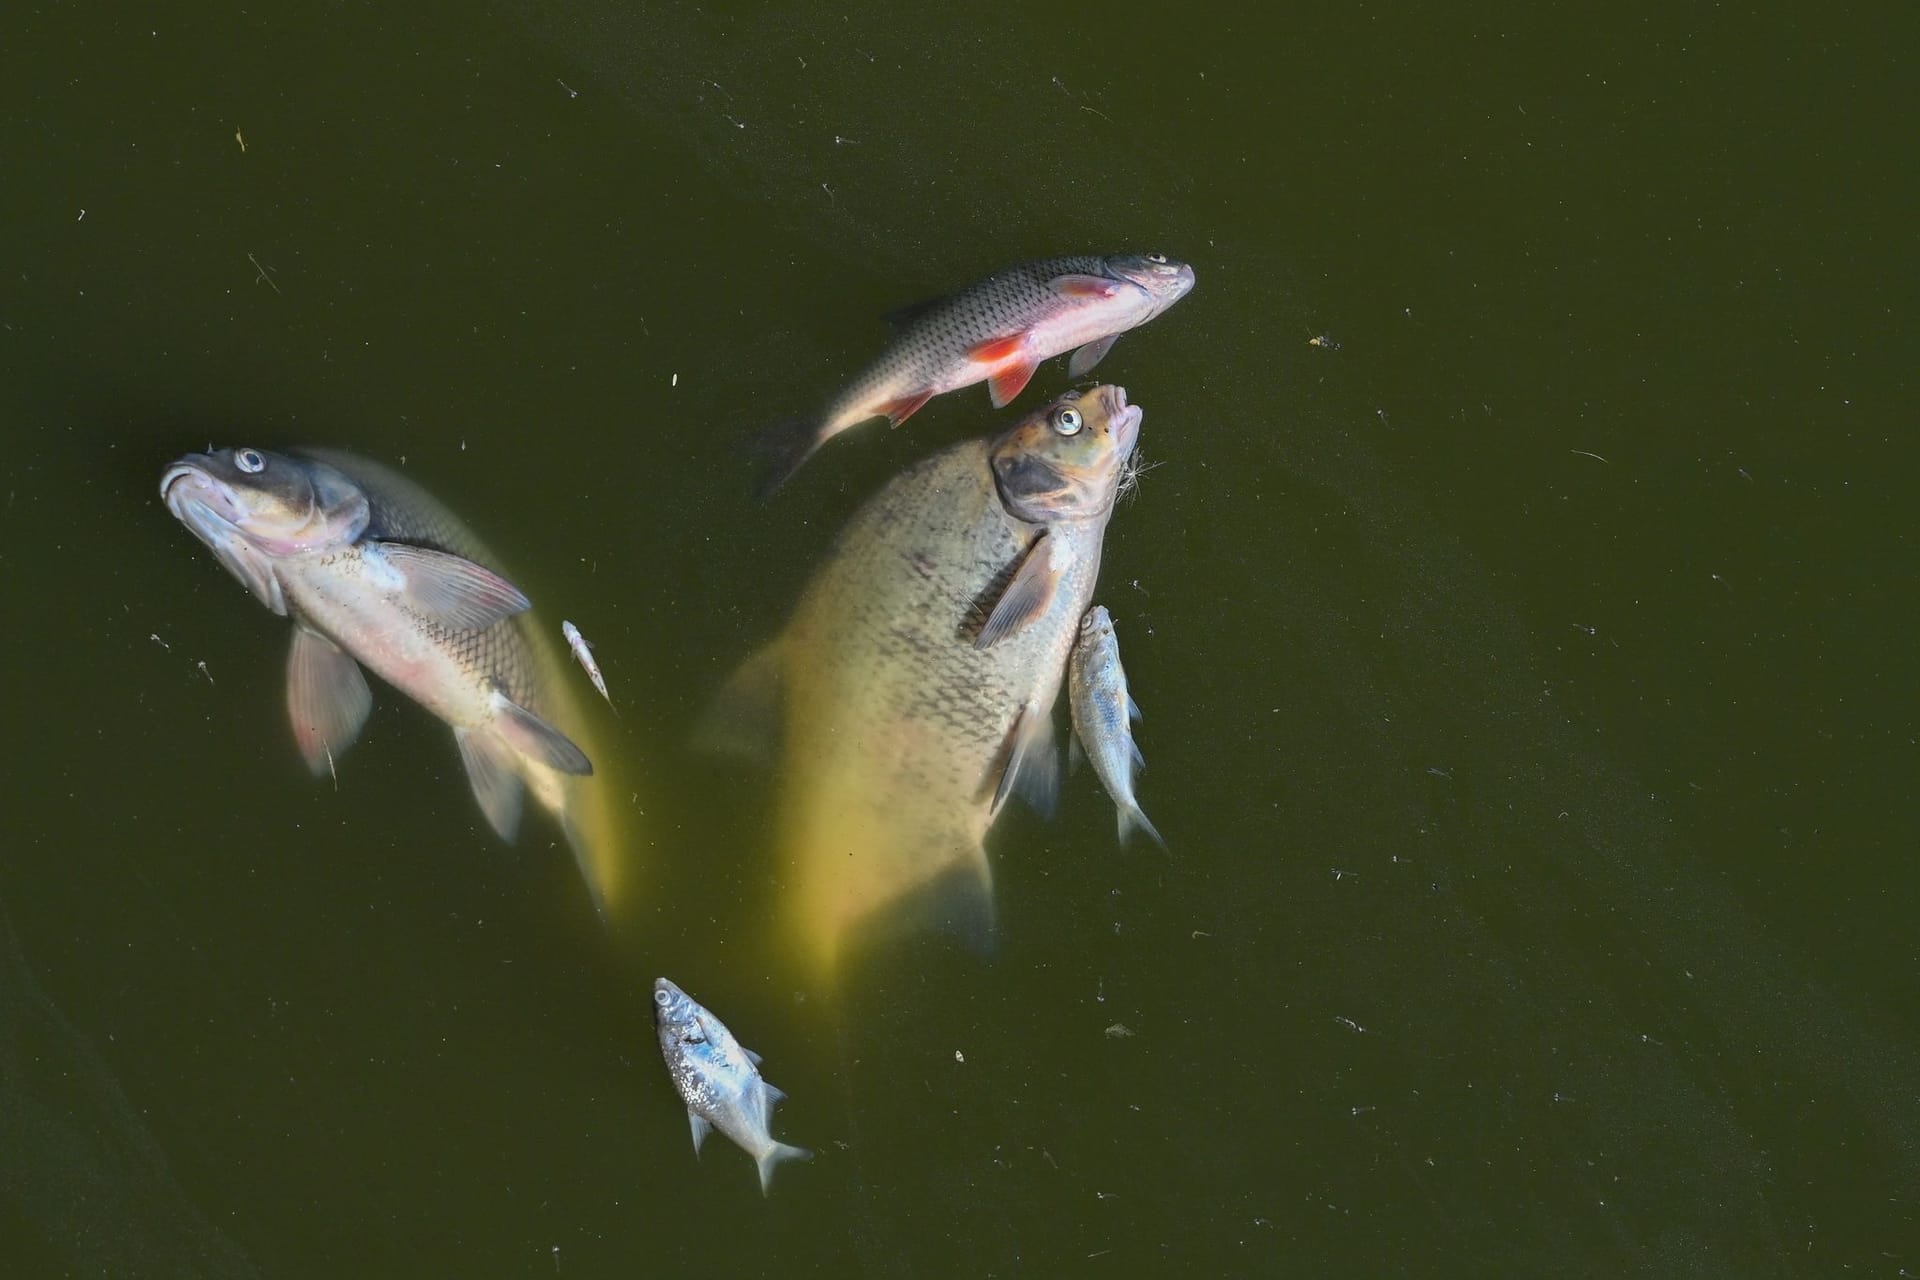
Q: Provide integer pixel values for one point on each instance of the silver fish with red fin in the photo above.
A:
(997, 332)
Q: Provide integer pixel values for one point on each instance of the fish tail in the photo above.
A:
(783, 447)
(1132, 819)
(774, 1155)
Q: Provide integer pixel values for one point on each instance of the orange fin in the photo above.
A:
(1008, 383)
(898, 411)
(994, 350)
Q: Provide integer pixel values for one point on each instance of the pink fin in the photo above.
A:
(898, 411)
(1085, 286)
(994, 350)
(1008, 383)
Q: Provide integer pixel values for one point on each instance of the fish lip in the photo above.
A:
(1123, 418)
(201, 488)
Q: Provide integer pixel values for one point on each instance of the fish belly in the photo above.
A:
(896, 725)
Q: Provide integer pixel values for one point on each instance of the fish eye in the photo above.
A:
(1158, 259)
(660, 998)
(1066, 420)
(249, 461)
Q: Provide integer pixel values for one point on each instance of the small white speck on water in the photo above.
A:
(959, 1056)
(675, 382)
(1349, 1023)
(203, 670)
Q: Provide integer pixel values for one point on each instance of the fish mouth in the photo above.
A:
(213, 513)
(188, 484)
(1123, 419)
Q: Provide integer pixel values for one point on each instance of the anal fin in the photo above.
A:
(496, 783)
(898, 411)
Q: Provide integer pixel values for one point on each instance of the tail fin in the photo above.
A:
(1133, 818)
(783, 447)
(774, 1155)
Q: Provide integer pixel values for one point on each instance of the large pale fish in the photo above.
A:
(719, 1080)
(913, 688)
(1103, 716)
(996, 331)
(373, 571)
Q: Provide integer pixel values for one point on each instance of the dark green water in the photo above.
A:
(1531, 684)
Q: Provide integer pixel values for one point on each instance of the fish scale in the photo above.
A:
(899, 727)
(995, 331)
(401, 511)
(375, 572)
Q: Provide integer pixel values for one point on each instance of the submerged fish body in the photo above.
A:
(375, 572)
(913, 687)
(1103, 716)
(996, 331)
(719, 1080)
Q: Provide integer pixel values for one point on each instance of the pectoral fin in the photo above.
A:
(1027, 596)
(1032, 768)
(327, 697)
(700, 1127)
(451, 590)
(1090, 355)
(743, 722)
(1084, 286)
(496, 783)
(534, 738)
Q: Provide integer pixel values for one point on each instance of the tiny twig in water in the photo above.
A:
(264, 274)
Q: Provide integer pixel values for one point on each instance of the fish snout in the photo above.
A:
(1123, 419)
(187, 484)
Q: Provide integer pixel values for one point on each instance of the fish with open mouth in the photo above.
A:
(374, 572)
(913, 689)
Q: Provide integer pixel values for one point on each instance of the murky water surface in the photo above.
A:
(1529, 678)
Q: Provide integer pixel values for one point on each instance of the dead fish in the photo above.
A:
(719, 1080)
(373, 571)
(583, 654)
(1103, 716)
(913, 689)
(997, 332)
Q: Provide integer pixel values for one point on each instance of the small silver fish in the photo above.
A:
(1103, 716)
(995, 331)
(719, 1080)
(583, 653)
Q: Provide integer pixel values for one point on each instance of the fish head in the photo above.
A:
(1065, 462)
(1164, 280)
(675, 1014)
(254, 508)
(1095, 626)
